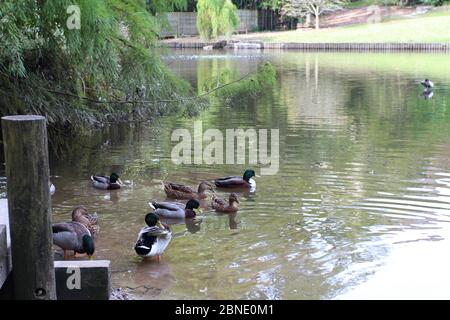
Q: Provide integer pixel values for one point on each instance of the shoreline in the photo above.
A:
(307, 46)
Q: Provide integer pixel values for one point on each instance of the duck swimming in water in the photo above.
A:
(180, 191)
(176, 210)
(427, 83)
(106, 183)
(153, 239)
(245, 181)
(220, 205)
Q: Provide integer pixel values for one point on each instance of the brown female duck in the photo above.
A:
(179, 191)
(81, 215)
(221, 205)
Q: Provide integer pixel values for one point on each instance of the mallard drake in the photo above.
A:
(221, 205)
(427, 83)
(245, 181)
(153, 239)
(174, 210)
(73, 236)
(90, 221)
(179, 191)
(106, 183)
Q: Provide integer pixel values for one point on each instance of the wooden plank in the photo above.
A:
(83, 280)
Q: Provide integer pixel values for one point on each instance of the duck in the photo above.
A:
(153, 239)
(427, 83)
(52, 188)
(180, 191)
(90, 221)
(245, 181)
(174, 210)
(106, 183)
(221, 205)
(74, 236)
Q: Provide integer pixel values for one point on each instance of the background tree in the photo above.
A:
(216, 17)
(301, 8)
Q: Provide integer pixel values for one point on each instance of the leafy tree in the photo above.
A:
(302, 8)
(216, 17)
(94, 73)
(271, 4)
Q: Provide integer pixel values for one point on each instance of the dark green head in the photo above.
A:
(88, 245)
(248, 174)
(151, 219)
(113, 177)
(192, 204)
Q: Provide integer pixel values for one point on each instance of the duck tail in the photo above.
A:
(150, 204)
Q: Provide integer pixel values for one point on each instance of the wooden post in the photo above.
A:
(27, 172)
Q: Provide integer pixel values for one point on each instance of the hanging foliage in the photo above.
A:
(216, 17)
(79, 61)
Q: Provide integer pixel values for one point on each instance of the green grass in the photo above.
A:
(429, 28)
(366, 3)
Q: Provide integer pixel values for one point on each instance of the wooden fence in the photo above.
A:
(185, 23)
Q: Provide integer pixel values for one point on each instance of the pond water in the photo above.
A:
(363, 173)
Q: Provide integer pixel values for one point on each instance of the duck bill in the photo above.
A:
(90, 257)
(160, 225)
(198, 211)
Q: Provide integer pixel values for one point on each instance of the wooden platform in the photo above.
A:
(94, 275)
(5, 243)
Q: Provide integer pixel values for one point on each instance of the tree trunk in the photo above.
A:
(317, 21)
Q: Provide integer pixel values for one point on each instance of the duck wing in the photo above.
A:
(231, 181)
(152, 241)
(218, 203)
(68, 235)
(172, 206)
(179, 187)
(100, 179)
(155, 231)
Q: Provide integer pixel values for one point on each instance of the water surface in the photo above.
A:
(364, 172)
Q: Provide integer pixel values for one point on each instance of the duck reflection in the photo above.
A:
(427, 93)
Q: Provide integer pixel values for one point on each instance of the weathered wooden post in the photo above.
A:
(27, 172)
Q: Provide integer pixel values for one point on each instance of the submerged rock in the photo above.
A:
(120, 294)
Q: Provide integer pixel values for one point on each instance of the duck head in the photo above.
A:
(88, 245)
(202, 187)
(113, 178)
(248, 174)
(192, 208)
(233, 199)
(152, 219)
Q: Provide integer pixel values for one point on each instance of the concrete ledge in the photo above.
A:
(419, 47)
(5, 243)
(5, 256)
(83, 280)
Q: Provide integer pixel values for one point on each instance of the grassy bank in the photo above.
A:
(429, 28)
